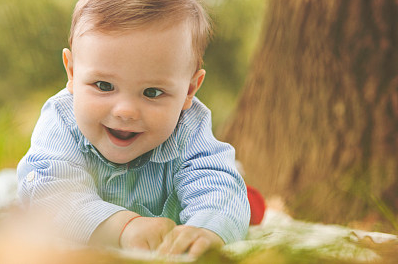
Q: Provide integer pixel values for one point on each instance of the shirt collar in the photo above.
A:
(165, 152)
(84, 144)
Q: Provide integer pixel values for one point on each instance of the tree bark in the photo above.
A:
(317, 121)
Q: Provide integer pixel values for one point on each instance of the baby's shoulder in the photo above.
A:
(60, 105)
(195, 116)
(63, 97)
(193, 123)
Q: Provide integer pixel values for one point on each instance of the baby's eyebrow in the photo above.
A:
(100, 74)
(154, 81)
(157, 81)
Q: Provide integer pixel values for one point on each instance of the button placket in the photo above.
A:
(140, 161)
(116, 174)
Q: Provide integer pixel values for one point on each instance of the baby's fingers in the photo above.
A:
(168, 242)
(195, 241)
(177, 241)
(183, 241)
(200, 246)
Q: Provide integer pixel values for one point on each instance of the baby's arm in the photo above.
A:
(142, 232)
(211, 191)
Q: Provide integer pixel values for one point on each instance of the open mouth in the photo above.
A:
(122, 135)
(121, 138)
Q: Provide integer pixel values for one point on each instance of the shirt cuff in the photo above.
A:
(227, 229)
(85, 220)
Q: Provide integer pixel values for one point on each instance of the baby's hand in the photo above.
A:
(193, 240)
(146, 232)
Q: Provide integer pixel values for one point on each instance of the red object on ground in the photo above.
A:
(257, 205)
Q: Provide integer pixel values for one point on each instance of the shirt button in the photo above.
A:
(31, 176)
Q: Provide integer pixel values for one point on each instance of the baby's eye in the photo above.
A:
(152, 92)
(105, 86)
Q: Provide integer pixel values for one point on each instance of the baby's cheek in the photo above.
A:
(165, 121)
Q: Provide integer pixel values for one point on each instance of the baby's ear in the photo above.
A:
(194, 86)
(68, 64)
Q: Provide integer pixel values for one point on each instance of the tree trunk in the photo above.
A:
(317, 121)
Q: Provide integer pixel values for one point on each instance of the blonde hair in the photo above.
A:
(120, 15)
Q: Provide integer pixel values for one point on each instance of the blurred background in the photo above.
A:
(33, 34)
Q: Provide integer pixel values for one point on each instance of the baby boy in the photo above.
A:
(124, 155)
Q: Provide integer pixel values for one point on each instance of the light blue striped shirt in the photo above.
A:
(191, 178)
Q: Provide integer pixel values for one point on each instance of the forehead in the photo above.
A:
(179, 32)
(87, 28)
(91, 26)
(152, 49)
(95, 23)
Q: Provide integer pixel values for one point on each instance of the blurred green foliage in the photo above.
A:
(237, 24)
(33, 34)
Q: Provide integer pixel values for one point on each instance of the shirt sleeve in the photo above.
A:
(52, 179)
(212, 193)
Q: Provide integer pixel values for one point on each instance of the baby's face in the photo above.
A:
(129, 88)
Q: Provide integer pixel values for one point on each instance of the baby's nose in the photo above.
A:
(126, 110)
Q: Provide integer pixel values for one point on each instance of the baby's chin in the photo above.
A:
(118, 157)
(120, 160)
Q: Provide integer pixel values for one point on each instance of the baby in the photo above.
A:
(124, 155)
